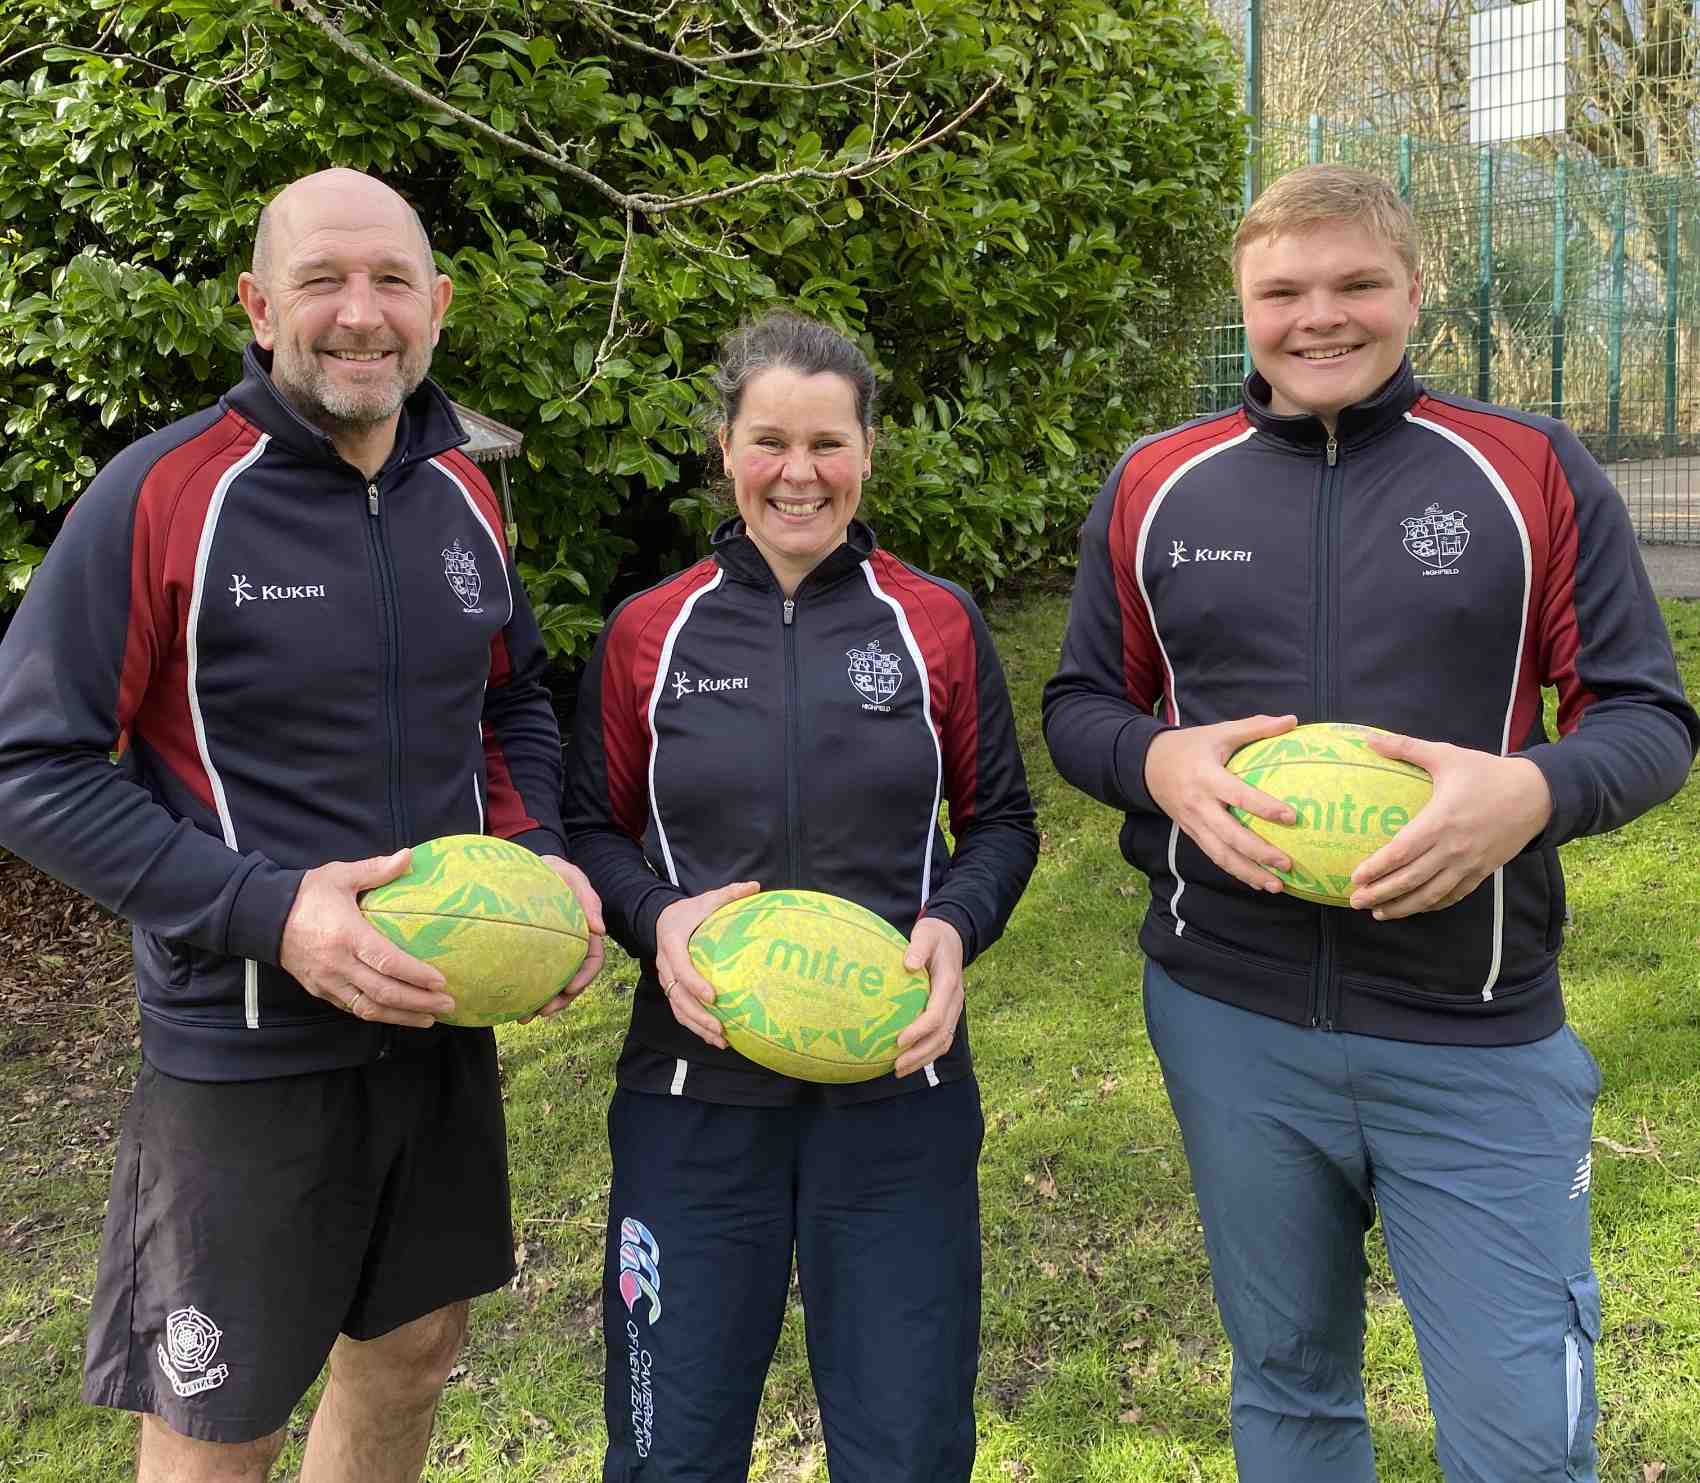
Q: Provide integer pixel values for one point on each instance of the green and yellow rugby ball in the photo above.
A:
(809, 985)
(1349, 799)
(491, 917)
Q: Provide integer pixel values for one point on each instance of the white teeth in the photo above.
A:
(1326, 354)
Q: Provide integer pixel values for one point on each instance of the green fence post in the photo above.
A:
(1405, 168)
(1316, 138)
(1484, 282)
(1614, 355)
(1560, 244)
(1673, 241)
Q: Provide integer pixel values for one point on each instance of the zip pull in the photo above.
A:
(790, 610)
(1333, 450)
(372, 495)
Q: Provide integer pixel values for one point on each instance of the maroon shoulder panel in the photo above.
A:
(172, 507)
(1143, 478)
(631, 664)
(1523, 458)
(942, 629)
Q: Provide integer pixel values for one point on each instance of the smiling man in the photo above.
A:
(265, 609)
(1424, 564)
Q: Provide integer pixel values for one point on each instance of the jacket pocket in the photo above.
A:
(184, 982)
(1453, 999)
(1581, 1410)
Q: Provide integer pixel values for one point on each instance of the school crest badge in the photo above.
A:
(1437, 537)
(875, 674)
(186, 1352)
(461, 569)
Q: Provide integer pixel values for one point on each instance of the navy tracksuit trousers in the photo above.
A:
(880, 1201)
(1477, 1159)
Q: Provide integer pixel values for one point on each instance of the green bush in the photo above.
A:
(1023, 283)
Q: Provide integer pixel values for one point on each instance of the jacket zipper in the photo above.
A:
(384, 570)
(793, 850)
(1327, 533)
(392, 689)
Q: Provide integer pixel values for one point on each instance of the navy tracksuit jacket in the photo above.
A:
(1426, 570)
(297, 665)
(727, 733)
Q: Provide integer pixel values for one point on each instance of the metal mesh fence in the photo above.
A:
(1561, 274)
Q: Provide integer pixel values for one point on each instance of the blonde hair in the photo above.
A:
(1318, 194)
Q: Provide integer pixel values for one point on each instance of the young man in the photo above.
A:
(1408, 1056)
(251, 605)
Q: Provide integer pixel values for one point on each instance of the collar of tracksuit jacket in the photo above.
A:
(428, 424)
(742, 560)
(1361, 423)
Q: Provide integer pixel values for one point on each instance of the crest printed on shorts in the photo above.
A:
(461, 568)
(1437, 537)
(875, 674)
(185, 1354)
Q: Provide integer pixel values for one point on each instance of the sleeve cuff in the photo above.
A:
(947, 911)
(542, 841)
(1132, 745)
(262, 905)
(648, 913)
(1567, 800)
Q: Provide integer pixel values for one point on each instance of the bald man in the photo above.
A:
(294, 618)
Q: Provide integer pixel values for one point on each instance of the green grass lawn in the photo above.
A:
(1103, 1358)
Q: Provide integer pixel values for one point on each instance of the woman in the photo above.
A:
(788, 713)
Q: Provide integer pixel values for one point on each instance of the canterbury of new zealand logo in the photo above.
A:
(191, 1341)
(875, 674)
(1437, 538)
(640, 1267)
(461, 568)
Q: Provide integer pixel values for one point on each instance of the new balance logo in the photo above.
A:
(1584, 1176)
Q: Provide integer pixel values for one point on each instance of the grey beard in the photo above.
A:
(310, 401)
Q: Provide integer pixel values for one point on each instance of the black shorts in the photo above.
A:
(253, 1221)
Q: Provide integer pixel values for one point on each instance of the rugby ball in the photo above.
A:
(808, 985)
(1349, 799)
(491, 917)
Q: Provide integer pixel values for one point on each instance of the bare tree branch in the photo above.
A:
(606, 350)
(869, 166)
(646, 203)
(556, 160)
(805, 40)
(696, 64)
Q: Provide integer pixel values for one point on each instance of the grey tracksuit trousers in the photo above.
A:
(1477, 1160)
